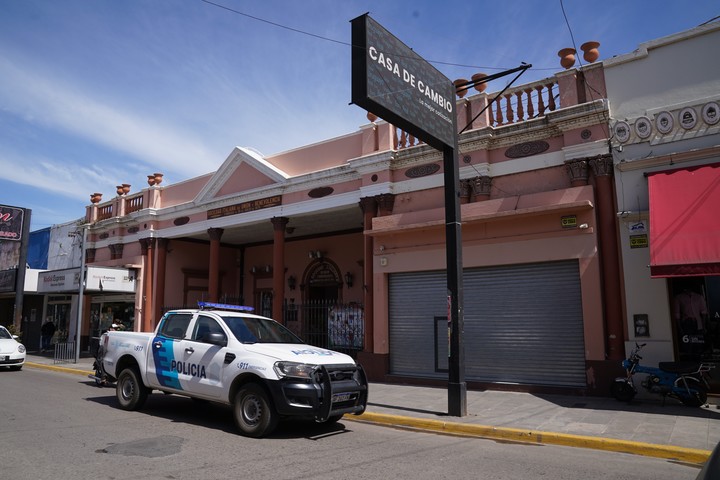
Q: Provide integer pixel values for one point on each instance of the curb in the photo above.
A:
(57, 368)
(668, 452)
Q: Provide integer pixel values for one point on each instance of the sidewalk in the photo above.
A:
(644, 427)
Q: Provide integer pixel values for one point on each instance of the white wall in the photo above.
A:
(664, 72)
(65, 250)
(667, 74)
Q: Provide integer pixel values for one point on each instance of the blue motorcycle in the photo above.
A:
(685, 381)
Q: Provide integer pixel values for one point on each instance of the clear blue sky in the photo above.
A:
(95, 93)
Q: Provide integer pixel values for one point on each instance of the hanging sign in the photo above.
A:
(392, 81)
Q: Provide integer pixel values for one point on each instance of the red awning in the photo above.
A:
(685, 221)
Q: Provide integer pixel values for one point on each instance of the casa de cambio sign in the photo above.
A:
(390, 80)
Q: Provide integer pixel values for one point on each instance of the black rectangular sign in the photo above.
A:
(395, 83)
(7, 280)
(11, 223)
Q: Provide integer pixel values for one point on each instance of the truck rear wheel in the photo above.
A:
(254, 414)
(130, 391)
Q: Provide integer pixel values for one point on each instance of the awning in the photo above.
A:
(685, 221)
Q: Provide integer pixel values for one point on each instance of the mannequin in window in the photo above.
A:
(690, 314)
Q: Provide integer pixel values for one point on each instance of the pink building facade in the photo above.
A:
(343, 241)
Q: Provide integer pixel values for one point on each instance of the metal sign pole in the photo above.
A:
(457, 389)
(81, 291)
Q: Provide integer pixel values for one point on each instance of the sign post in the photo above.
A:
(392, 81)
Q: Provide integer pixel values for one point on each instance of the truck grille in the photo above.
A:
(338, 373)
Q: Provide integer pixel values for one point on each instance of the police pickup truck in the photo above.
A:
(225, 354)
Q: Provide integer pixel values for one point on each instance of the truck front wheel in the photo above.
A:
(254, 414)
(130, 392)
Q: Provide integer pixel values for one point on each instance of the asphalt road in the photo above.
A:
(60, 426)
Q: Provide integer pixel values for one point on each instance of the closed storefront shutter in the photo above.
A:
(523, 324)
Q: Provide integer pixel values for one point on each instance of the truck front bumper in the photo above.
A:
(336, 390)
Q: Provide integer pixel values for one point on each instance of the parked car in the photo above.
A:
(12, 352)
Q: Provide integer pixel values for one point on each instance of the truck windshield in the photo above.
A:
(260, 330)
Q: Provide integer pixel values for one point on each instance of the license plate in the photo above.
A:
(6, 358)
(342, 397)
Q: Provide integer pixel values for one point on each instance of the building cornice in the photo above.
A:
(670, 159)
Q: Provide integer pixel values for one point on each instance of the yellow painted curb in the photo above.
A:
(57, 368)
(669, 452)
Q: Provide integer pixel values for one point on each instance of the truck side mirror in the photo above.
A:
(215, 339)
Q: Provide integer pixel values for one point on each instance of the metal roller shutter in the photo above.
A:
(523, 324)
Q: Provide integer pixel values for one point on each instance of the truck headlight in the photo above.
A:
(294, 369)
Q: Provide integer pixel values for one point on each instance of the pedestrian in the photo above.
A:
(46, 333)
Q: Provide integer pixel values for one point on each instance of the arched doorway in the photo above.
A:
(322, 289)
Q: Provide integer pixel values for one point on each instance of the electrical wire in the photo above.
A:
(347, 44)
(591, 88)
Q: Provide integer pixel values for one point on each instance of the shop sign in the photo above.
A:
(245, 207)
(639, 241)
(59, 281)
(568, 221)
(638, 227)
(392, 81)
(110, 280)
(11, 223)
(7, 280)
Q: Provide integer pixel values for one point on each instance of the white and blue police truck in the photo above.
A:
(223, 353)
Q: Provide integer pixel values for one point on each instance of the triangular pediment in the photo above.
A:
(244, 170)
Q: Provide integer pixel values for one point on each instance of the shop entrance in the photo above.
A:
(322, 292)
(58, 312)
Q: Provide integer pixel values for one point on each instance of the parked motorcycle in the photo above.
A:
(685, 381)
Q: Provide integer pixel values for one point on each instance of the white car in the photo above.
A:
(12, 352)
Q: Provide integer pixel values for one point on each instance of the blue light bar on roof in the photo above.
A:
(224, 306)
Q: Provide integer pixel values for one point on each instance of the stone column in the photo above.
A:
(464, 191)
(214, 268)
(602, 168)
(481, 186)
(578, 172)
(162, 244)
(147, 246)
(385, 202)
(279, 224)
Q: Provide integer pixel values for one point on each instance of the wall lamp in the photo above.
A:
(315, 254)
(348, 279)
(292, 282)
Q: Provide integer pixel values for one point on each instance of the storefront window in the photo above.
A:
(104, 314)
(694, 309)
